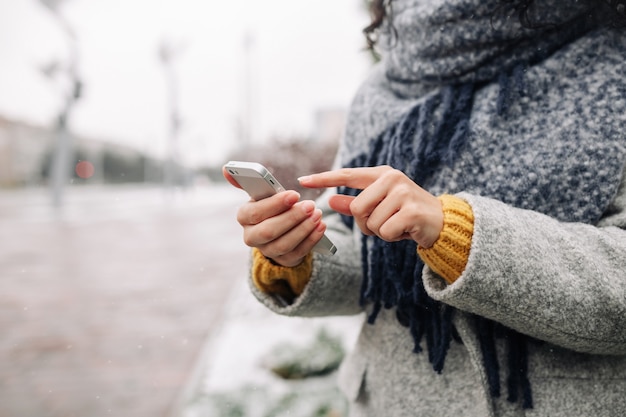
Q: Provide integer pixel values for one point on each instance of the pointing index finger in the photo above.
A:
(358, 178)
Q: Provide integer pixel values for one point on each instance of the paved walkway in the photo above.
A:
(105, 309)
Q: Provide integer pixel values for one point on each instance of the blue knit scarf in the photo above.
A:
(392, 272)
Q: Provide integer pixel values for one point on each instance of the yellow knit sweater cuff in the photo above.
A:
(272, 278)
(448, 256)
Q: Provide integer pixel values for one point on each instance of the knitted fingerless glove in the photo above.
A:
(448, 255)
(272, 278)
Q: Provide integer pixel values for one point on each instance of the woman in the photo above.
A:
(480, 217)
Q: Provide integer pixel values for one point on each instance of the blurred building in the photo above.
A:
(26, 152)
(23, 148)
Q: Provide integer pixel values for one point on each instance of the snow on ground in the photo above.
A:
(250, 330)
(233, 356)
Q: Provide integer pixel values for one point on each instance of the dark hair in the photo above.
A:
(380, 9)
(378, 12)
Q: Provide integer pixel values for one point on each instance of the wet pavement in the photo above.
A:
(106, 308)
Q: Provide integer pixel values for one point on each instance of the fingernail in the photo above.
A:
(305, 178)
(308, 206)
(317, 215)
(292, 198)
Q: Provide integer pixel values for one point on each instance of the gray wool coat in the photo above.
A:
(570, 291)
(532, 269)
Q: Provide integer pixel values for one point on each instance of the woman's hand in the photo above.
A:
(282, 228)
(391, 206)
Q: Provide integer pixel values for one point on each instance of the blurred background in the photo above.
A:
(122, 267)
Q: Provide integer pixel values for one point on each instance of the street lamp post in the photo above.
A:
(62, 155)
(168, 52)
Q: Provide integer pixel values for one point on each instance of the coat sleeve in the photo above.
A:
(335, 282)
(564, 283)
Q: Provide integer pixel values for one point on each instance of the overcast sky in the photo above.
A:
(305, 55)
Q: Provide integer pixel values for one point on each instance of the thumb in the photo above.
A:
(341, 204)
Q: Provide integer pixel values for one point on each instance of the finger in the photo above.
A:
(286, 244)
(254, 212)
(277, 226)
(384, 211)
(394, 228)
(384, 200)
(294, 257)
(364, 205)
(357, 178)
(341, 204)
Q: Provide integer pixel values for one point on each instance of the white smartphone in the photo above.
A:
(259, 183)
